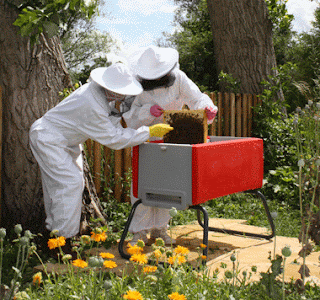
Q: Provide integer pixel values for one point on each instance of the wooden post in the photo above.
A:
(106, 167)
(97, 167)
(232, 115)
(89, 147)
(239, 114)
(226, 115)
(220, 113)
(0, 149)
(245, 115)
(250, 115)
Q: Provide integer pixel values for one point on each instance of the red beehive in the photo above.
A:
(172, 175)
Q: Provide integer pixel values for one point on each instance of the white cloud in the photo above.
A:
(146, 7)
(303, 11)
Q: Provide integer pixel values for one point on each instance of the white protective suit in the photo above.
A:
(55, 140)
(183, 91)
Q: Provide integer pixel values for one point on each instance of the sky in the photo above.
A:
(138, 23)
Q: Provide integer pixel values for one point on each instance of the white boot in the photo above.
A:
(162, 233)
(141, 235)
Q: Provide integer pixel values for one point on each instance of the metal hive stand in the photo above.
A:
(204, 224)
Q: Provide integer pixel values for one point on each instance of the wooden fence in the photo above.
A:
(111, 168)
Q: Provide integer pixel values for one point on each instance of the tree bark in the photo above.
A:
(243, 47)
(31, 78)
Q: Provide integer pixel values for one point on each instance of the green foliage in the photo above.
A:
(231, 84)
(282, 33)
(52, 17)
(193, 40)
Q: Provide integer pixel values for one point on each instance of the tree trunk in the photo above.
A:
(243, 47)
(31, 79)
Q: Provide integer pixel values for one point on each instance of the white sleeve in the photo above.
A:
(101, 129)
(139, 114)
(192, 95)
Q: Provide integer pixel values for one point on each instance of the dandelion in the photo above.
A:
(173, 212)
(139, 258)
(149, 269)
(99, 237)
(132, 295)
(37, 279)
(203, 246)
(80, 263)
(106, 255)
(109, 264)
(134, 249)
(181, 250)
(177, 296)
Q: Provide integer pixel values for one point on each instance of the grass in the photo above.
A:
(249, 208)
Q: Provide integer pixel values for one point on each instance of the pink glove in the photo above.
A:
(211, 112)
(156, 110)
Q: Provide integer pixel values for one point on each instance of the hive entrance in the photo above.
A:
(190, 126)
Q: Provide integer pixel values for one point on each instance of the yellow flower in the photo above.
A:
(203, 246)
(56, 242)
(99, 237)
(109, 264)
(37, 278)
(106, 255)
(181, 250)
(134, 249)
(133, 295)
(149, 269)
(139, 258)
(179, 259)
(177, 296)
(80, 263)
(157, 253)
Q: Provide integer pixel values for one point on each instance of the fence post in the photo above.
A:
(220, 113)
(239, 114)
(97, 167)
(245, 115)
(232, 115)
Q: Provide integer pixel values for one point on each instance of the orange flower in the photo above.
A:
(139, 258)
(56, 242)
(134, 249)
(99, 237)
(109, 264)
(203, 246)
(181, 250)
(133, 295)
(203, 257)
(80, 263)
(106, 255)
(149, 269)
(177, 296)
(37, 278)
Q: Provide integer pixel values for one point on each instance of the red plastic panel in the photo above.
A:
(226, 167)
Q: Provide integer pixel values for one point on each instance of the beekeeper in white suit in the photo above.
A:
(166, 87)
(56, 139)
